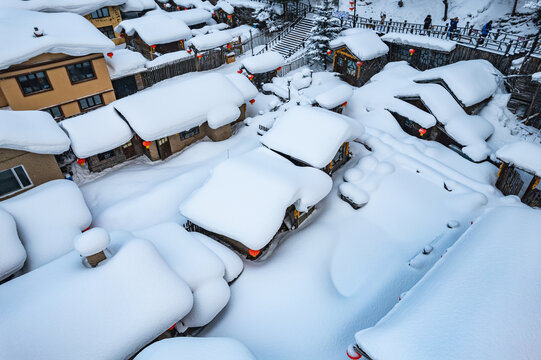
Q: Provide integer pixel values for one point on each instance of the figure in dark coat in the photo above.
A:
(428, 24)
(484, 31)
(452, 27)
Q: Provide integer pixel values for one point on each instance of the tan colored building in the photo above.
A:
(106, 19)
(64, 74)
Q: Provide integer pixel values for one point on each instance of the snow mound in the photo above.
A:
(247, 196)
(263, 63)
(210, 41)
(524, 155)
(334, 97)
(81, 7)
(137, 5)
(192, 16)
(362, 43)
(426, 42)
(13, 252)
(32, 131)
(91, 241)
(191, 348)
(222, 115)
(125, 62)
(156, 27)
(246, 87)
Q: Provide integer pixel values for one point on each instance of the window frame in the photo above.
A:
(49, 110)
(94, 76)
(106, 155)
(34, 92)
(90, 107)
(108, 27)
(184, 135)
(21, 186)
(99, 13)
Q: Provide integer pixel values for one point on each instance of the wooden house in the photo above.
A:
(525, 101)
(132, 9)
(262, 68)
(106, 19)
(521, 165)
(154, 34)
(194, 18)
(224, 12)
(30, 140)
(334, 98)
(37, 76)
(358, 55)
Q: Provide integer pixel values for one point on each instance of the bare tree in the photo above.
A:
(446, 4)
(514, 12)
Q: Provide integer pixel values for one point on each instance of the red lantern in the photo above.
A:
(422, 131)
(412, 51)
(253, 253)
(213, 14)
(359, 63)
(252, 101)
(344, 104)
(199, 56)
(110, 54)
(178, 7)
(351, 3)
(146, 144)
(189, 51)
(352, 353)
(172, 327)
(228, 46)
(152, 47)
(122, 35)
(278, 68)
(88, 228)
(351, 8)
(81, 162)
(329, 52)
(250, 76)
(229, 16)
(239, 71)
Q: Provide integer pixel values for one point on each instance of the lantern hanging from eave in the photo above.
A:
(351, 8)
(253, 253)
(81, 162)
(189, 51)
(199, 56)
(239, 71)
(146, 144)
(229, 16)
(152, 47)
(359, 63)
(252, 101)
(250, 76)
(178, 8)
(278, 68)
(422, 131)
(110, 54)
(352, 353)
(411, 51)
(329, 52)
(344, 104)
(228, 46)
(351, 3)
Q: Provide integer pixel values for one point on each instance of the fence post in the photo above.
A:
(471, 30)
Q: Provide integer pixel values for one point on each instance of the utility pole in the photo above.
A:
(354, 13)
(251, 42)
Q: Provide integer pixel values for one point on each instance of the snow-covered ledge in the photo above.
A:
(92, 245)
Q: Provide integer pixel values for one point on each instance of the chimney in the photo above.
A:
(37, 32)
(91, 245)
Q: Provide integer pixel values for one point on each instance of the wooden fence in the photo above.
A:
(293, 65)
(161, 72)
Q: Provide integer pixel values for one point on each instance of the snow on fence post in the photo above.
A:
(92, 245)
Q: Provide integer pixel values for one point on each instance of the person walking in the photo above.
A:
(382, 22)
(484, 31)
(427, 25)
(452, 28)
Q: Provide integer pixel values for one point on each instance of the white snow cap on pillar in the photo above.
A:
(92, 241)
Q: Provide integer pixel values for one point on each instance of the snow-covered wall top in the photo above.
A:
(192, 16)
(81, 7)
(65, 33)
(471, 81)
(177, 106)
(524, 155)
(426, 42)
(156, 27)
(362, 43)
(311, 135)
(96, 131)
(112, 311)
(13, 252)
(32, 131)
(246, 196)
(262, 63)
(472, 304)
(137, 5)
(211, 41)
(196, 348)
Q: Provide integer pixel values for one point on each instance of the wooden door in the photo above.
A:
(129, 150)
(164, 148)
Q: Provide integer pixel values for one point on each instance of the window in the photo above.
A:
(108, 31)
(189, 133)
(162, 141)
(90, 102)
(13, 180)
(106, 155)
(100, 13)
(351, 68)
(55, 111)
(81, 71)
(34, 82)
(127, 145)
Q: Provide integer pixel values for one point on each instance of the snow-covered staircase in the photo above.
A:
(293, 40)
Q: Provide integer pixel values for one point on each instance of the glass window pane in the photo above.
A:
(84, 103)
(97, 99)
(21, 174)
(8, 182)
(105, 12)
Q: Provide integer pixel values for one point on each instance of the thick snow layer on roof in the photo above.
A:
(168, 57)
(335, 96)
(210, 41)
(268, 61)
(137, 5)
(32, 131)
(524, 155)
(192, 348)
(196, 96)
(81, 7)
(246, 87)
(311, 135)
(470, 81)
(222, 115)
(479, 302)
(233, 263)
(156, 27)
(13, 252)
(209, 29)
(198, 4)
(243, 31)
(192, 16)
(65, 310)
(66, 33)
(125, 62)
(246, 196)
(96, 131)
(92, 241)
(225, 6)
(247, 4)
(48, 217)
(426, 42)
(362, 43)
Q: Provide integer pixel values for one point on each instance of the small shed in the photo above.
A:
(310, 136)
(422, 52)
(224, 12)
(251, 198)
(101, 139)
(358, 55)
(155, 33)
(335, 99)
(520, 171)
(194, 18)
(263, 67)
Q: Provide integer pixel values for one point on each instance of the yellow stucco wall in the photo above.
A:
(113, 20)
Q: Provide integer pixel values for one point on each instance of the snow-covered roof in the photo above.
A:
(13, 252)
(206, 5)
(76, 312)
(426, 42)
(192, 16)
(362, 43)
(471, 81)
(536, 77)
(124, 62)
(48, 218)
(247, 4)
(137, 5)
(480, 301)
(268, 61)
(81, 7)
(196, 96)
(334, 96)
(65, 33)
(225, 6)
(524, 155)
(156, 27)
(32, 131)
(243, 31)
(210, 41)
(196, 348)
(96, 131)
(246, 196)
(168, 57)
(311, 135)
(246, 87)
